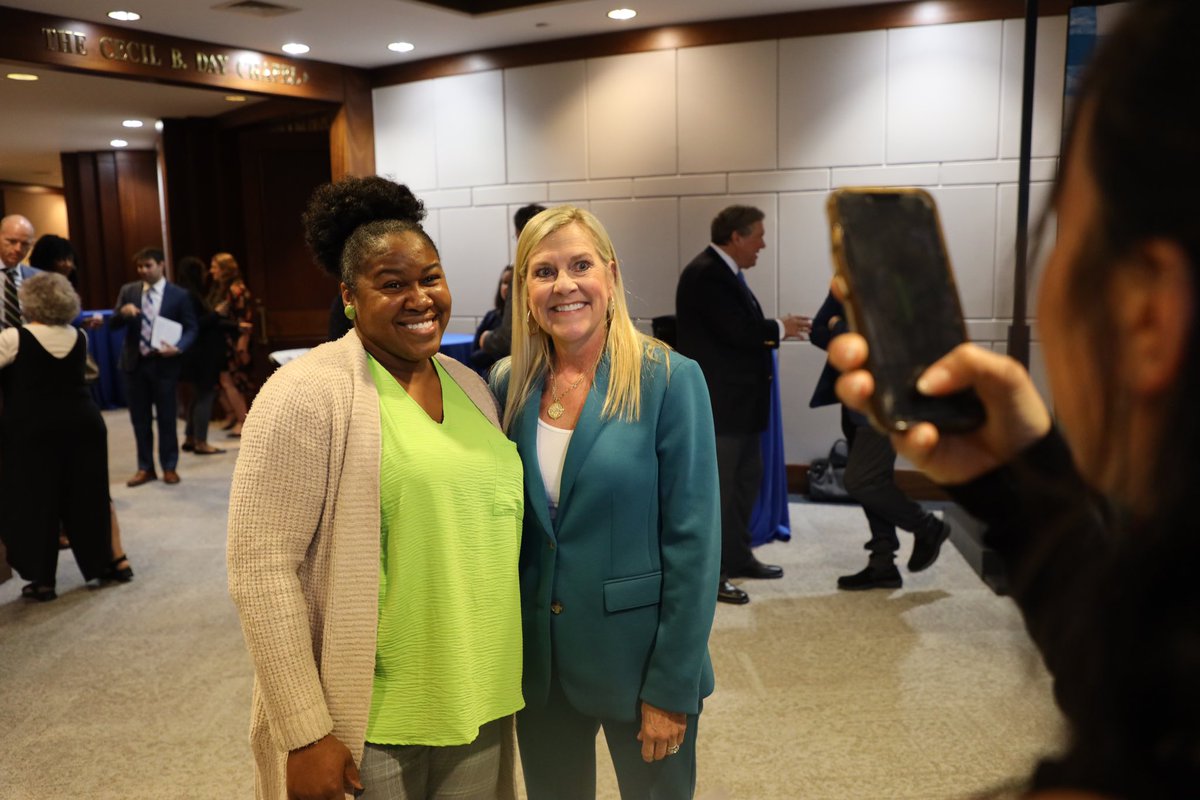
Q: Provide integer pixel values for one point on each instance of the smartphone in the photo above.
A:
(891, 265)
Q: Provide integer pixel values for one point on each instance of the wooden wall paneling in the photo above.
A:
(203, 189)
(137, 192)
(116, 252)
(280, 170)
(352, 136)
(817, 22)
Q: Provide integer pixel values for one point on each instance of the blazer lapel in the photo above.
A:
(535, 490)
(586, 431)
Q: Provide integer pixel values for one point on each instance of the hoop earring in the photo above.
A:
(350, 313)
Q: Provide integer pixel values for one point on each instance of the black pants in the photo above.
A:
(739, 470)
(150, 390)
(870, 479)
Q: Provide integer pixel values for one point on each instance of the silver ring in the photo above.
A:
(673, 749)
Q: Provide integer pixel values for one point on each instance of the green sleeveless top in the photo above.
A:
(448, 656)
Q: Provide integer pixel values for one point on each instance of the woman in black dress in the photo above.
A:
(482, 360)
(54, 467)
(204, 360)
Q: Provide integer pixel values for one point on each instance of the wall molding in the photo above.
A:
(852, 19)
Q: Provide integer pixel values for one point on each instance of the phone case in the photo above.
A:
(844, 278)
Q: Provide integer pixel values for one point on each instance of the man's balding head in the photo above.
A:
(16, 238)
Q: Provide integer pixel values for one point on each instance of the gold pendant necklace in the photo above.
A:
(556, 409)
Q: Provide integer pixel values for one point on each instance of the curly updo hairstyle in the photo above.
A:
(348, 221)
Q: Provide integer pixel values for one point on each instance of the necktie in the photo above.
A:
(741, 276)
(147, 320)
(12, 307)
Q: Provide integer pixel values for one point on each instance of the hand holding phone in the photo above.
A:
(898, 288)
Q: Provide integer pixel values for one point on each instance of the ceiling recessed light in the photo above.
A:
(158, 125)
(125, 16)
(295, 48)
(622, 13)
(119, 143)
(21, 76)
(133, 123)
(402, 47)
(236, 98)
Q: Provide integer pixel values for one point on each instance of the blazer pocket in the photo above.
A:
(622, 594)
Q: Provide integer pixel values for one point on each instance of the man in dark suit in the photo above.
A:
(16, 239)
(721, 325)
(152, 366)
(870, 479)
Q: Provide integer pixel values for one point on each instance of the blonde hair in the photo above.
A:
(625, 347)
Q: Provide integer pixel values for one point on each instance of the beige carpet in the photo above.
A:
(143, 690)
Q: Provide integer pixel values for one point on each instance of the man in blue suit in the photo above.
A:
(721, 325)
(16, 239)
(152, 366)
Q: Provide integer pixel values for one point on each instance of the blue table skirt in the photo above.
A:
(105, 343)
(458, 346)
(769, 520)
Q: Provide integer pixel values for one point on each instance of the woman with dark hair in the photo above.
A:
(481, 360)
(204, 360)
(374, 528)
(230, 298)
(54, 444)
(1097, 521)
(54, 254)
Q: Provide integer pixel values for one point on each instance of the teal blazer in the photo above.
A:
(621, 589)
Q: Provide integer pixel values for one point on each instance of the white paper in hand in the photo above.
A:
(165, 331)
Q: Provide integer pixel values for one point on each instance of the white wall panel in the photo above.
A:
(969, 222)
(788, 181)
(591, 190)
(833, 93)
(405, 151)
(545, 122)
(677, 185)
(474, 248)
(1048, 78)
(645, 234)
(470, 129)
(521, 194)
(631, 115)
(943, 92)
(908, 175)
(1006, 242)
(727, 107)
(695, 221)
(805, 264)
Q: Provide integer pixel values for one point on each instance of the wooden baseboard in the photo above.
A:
(912, 483)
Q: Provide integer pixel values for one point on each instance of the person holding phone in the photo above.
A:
(1094, 510)
(870, 479)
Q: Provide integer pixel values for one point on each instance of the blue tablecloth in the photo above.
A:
(458, 346)
(104, 344)
(770, 520)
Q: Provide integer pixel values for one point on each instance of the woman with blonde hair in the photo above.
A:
(621, 541)
(231, 299)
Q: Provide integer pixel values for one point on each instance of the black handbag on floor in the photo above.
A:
(826, 476)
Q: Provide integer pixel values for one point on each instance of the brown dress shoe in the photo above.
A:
(142, 476)
(170, 476)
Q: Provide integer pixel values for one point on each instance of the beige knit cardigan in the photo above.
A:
(303, 553)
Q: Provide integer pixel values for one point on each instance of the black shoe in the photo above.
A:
(758, 570)
(728, 593)
(928, 545)
(871, 578)
(39, 592)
